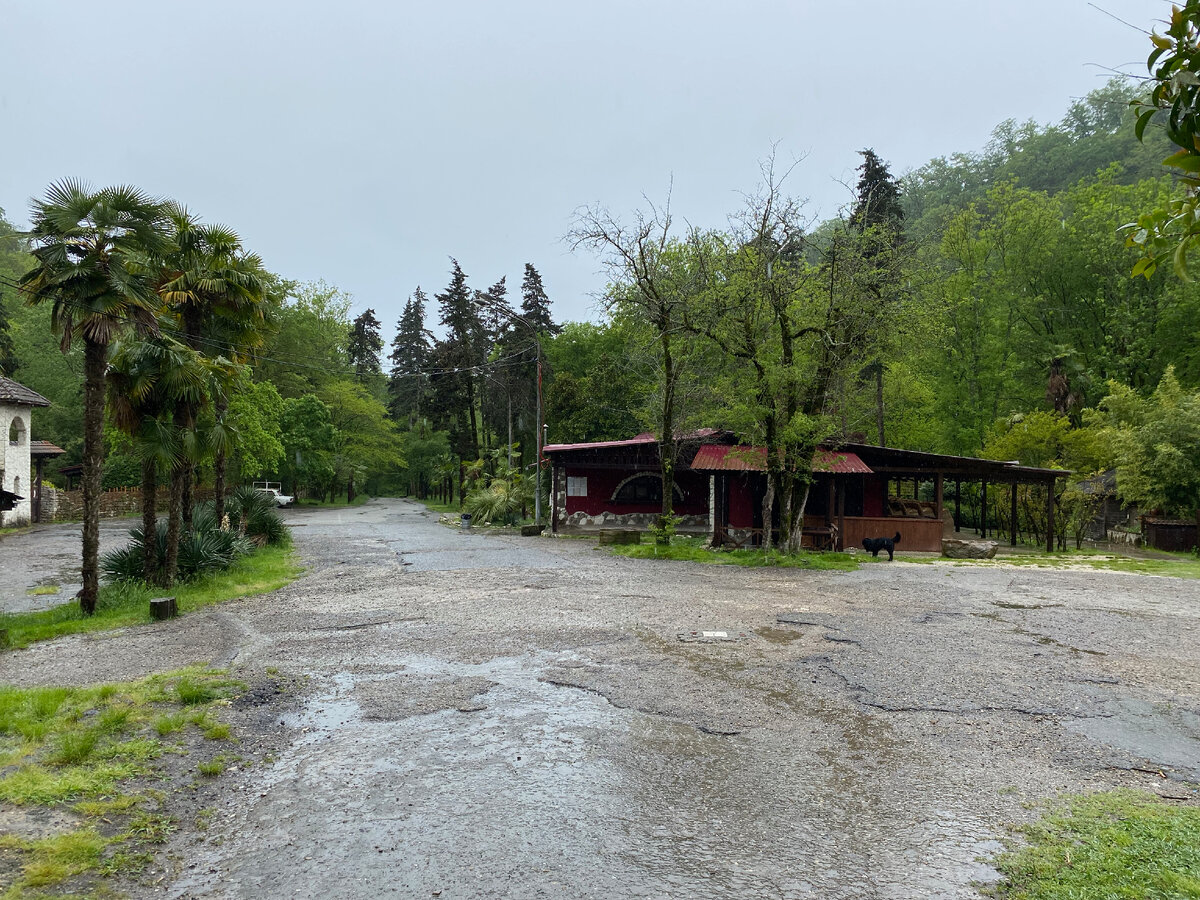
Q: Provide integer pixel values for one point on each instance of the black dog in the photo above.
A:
(874, 545)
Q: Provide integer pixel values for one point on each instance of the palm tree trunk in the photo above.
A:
(175, 510)
(189, 477)
(95, 360)
(149, 519)
(174, 521)
(219, 465)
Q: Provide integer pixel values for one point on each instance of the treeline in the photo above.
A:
(471, 395)
(982, 304)
(218, 378)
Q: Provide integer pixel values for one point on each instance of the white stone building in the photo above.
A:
(16, 475)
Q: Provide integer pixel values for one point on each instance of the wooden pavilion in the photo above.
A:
(858, 490)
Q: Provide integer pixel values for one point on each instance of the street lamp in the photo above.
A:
(537, 339)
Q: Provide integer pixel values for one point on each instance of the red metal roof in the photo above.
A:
(719, 458)
(644, 438)
(841, 462)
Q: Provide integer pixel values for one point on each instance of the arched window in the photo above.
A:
(644, 488)
(16, 432)
(17, 485)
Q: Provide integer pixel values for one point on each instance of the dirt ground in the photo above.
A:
(496, 716)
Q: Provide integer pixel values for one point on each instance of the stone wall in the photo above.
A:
(65, 506)
(581, 521)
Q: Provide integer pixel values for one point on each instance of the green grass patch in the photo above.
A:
(217, 731)
(692, 549)
(128, 603)
(1174, 565)
(1114, 844)
(211, 768)
(95, 749)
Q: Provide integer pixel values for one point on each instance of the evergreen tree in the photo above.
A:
(535, 305)
(365, 345)
(878, 218)
(496, 388)
(495, 312)
(454, 358)
(410, 359)
(521, 342)
(877, 198)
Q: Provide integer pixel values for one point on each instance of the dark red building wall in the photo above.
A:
(741, 501)
(874, 488)
(602, 483)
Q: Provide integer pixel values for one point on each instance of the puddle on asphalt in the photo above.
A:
(778, 635)
(551, 789)
(1164, 734)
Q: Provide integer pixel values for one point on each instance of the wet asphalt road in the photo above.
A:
(39, 568)
(493, 716)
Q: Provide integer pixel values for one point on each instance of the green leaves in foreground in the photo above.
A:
(1108, 845)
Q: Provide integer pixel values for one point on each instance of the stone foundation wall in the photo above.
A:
(638, 521)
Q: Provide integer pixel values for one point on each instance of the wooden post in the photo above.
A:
(957, 508)
(841, 508)
(1013, 513)
(163, 608)
(983, 510)
(1050, 516)
(829, 504)
(37, 492)
(938, 488)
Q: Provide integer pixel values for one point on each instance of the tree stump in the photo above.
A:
(163, 608)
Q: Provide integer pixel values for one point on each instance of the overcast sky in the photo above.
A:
(367, 142)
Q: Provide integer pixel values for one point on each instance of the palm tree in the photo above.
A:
(146, 379)
(90, 249)
(218, 293)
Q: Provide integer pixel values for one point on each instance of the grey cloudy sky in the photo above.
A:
(366, 142)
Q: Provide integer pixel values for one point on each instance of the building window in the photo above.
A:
(16, 432)
(576, 485)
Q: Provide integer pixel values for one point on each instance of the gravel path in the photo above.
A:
(492, 716)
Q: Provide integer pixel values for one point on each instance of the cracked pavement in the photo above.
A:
(492, 716)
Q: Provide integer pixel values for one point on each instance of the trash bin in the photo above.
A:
(466, 520)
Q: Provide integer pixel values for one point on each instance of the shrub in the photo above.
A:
(206, 548)
(501, 500)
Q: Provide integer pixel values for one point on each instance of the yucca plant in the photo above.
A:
(206, 548)
(253, 513)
